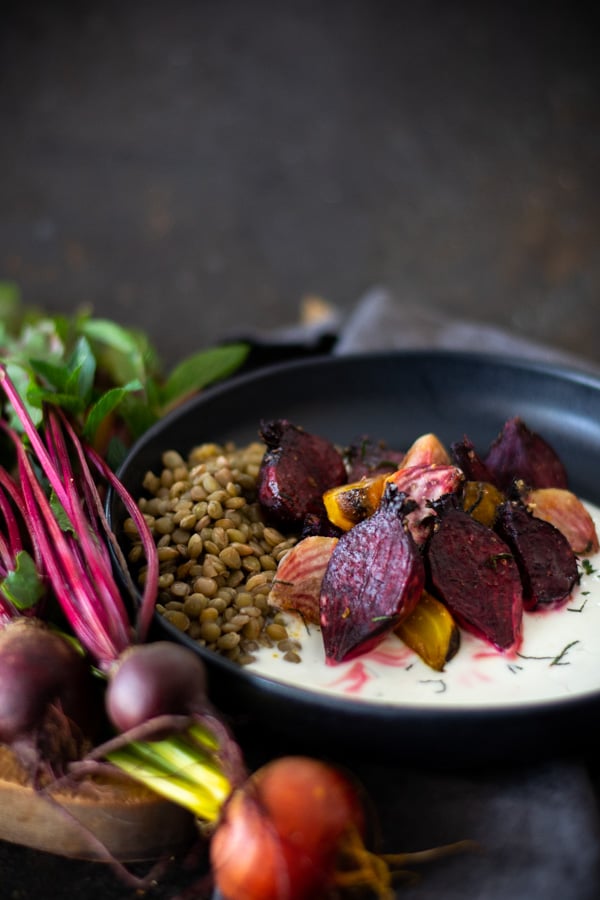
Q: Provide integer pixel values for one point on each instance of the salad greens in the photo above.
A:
(107, 379)
(106, 376)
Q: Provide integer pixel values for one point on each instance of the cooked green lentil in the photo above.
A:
(217, 557)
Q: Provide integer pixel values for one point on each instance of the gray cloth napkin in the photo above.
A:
(380, 322)
(537, 827)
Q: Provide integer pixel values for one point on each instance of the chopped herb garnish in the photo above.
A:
(587, 567)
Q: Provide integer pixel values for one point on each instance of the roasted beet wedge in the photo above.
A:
(425, 484)
(546, 562)
(297, 468)
(466, 457)
(474, 573)
(520, 453)
(427, 450)
(375, 577)
(565, 511)
(297, 586)
(366, 457)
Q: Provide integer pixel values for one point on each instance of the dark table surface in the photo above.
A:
(197, 169)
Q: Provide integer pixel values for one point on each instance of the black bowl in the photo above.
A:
(395, 396)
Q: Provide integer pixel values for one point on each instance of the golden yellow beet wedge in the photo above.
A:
(351, 503)
(481, 500)
(431, 632)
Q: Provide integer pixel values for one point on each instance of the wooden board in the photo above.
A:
(131, 822)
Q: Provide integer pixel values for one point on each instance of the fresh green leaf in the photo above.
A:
(82, 367)
(60, 514)
(56, 375)
(21, 378)
(124, 353)
(71, 402)
(106, 404)
(201, 369)
(23, 586)
(136, 414)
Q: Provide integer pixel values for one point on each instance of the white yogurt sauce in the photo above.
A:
(558, 657)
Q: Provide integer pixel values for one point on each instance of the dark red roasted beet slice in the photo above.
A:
(518, 452)
(366, 457)
(374, 579)
(546, 562)
(474, 573)
(297, 468)
(466, 457)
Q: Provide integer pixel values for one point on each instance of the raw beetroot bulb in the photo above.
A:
(48, 707)
(281, 832)
(296, 830)
(547, 565)
(155, 679)
(374, 578)
(520, 453)
(474, 573)
(297, 469)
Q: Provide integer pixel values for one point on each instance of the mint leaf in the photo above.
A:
(21, 378)
(124, 353)
(82, 371)
(137, 414)
(71, 402)
(201, 369)
(55, 375)
(107, 403)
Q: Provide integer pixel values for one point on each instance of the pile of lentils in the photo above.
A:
(217, 556)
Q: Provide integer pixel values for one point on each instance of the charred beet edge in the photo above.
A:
(425, 485)
(519, 452)
(467, 458)
(473, 572)
(374, 578)
(297, 469)
(547, 565)
(319, 525)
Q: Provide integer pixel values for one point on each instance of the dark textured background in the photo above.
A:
(197, 168)
(210, 163)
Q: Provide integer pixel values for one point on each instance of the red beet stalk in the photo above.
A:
(75, 561)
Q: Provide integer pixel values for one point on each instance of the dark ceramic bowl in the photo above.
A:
(395, 396)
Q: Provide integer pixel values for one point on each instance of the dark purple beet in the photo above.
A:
(366, 457)
(375, 577)
(155, 679)
(546, 562)
(520, 453)
(473, 572)
(298, 467)
(38, 667)
(466, 457)
(314, 524)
